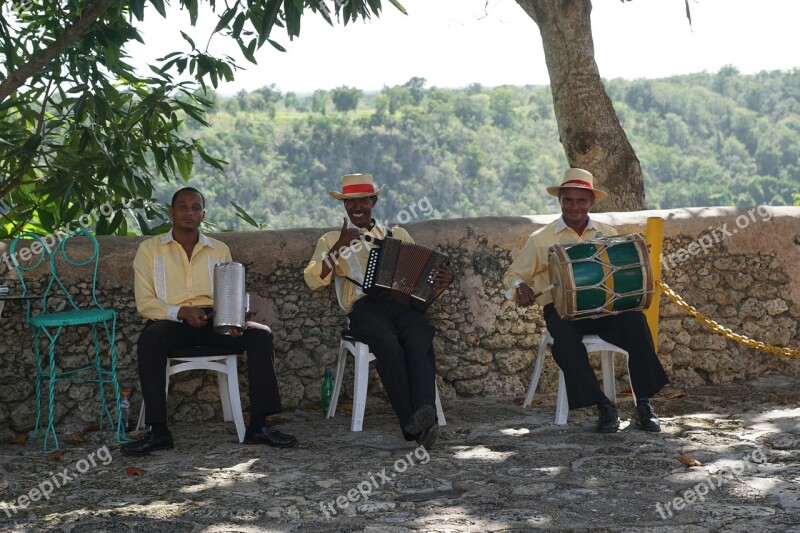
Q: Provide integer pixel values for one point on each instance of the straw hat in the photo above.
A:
(577, 178)
(357, 186)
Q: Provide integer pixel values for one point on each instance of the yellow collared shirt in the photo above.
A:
(531, 266)
(165, 279)
(350, 264)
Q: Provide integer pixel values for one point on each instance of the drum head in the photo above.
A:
(561, 277)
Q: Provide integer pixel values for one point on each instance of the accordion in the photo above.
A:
(401, 272)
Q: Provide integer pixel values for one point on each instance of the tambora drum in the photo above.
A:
(604, 276)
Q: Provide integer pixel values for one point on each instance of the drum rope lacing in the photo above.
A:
(719, 328)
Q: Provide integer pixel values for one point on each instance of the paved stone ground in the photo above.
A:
(496, 467)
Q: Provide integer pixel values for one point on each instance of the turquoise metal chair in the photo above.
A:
(48, 326)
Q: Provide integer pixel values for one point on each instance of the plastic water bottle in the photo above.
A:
(327, 390)
(125, 407)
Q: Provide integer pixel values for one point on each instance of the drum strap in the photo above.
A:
(608, 276)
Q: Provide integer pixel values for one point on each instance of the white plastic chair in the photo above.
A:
(227, 376)
(362, 358)
(593, 344)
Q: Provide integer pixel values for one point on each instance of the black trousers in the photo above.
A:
(627, 330)
(161, 337)
(402, 341)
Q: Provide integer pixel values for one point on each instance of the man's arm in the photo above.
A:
(519, 276)
(147, 303)
(313, 273)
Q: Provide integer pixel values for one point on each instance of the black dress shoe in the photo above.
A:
(646, 418)
(609, 420)
(150, 443)
(421, 419)
(427, 438)
(271, 437)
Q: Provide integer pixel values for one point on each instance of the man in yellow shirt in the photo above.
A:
(173, 289)
(527, 280)
(400, 337)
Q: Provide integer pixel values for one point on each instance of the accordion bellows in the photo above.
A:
(401, 272)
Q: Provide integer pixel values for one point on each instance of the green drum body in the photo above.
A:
(598, 277)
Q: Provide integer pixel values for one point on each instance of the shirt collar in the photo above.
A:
(561, 225)
(202, 240)
(378, 229)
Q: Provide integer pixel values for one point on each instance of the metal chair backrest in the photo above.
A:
(92, 263)
(37, 249)
(54, 256)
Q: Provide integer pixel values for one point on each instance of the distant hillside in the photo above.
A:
(702, 139)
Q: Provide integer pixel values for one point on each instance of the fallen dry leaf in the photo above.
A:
(133, 471)
(19, 439)
(783, 399)
(537, 401)
(675, 394)
(78, 438)
(57, 455)
(91, 428)
(689, 461)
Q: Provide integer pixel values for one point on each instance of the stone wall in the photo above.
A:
(741, 267)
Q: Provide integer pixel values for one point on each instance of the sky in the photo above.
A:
(453, 43)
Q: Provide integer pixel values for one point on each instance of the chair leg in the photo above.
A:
(140, 422)
(234, 401)
(337, 385)
(439, 411)
(609, 379)
(562, 401)
(360, 384)
(36, 348)
(537, 370)
(224, 395)
(51, 403)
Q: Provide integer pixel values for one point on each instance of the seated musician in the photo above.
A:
(527, 279)
(400, 337)
(173, 289)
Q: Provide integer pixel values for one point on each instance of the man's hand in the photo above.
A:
(442, 276)
(525, 295)
(193, 316)
(346, 237)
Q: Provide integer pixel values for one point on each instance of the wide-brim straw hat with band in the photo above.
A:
(577, 178)
(357, 186)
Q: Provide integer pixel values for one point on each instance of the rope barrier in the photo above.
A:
(718, 328)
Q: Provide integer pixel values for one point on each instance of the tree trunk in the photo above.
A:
(588, 126)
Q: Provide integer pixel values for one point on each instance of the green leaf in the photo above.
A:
(159, 5)
(189, 40)
(244, 215)
(224, 20)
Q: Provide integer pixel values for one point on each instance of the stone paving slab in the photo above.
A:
(496, 467)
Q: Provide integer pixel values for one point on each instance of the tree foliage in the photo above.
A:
(81, 128)
(698, 140)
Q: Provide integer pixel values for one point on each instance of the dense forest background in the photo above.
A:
(702, 139)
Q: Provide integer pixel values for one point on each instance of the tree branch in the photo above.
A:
(71, 35)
